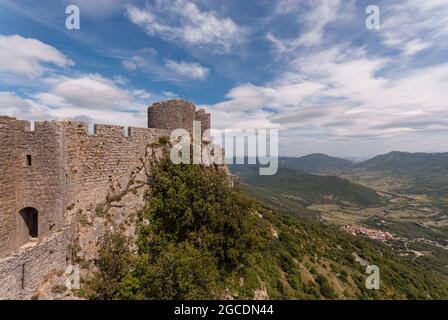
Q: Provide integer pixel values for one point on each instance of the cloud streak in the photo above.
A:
(342, 94)
(191, 70)
(180, 20)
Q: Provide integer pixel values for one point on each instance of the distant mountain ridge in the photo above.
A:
(406, 162)
(394, 161)
(316, 162)
(428, 171)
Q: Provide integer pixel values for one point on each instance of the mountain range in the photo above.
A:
(316, 162)
(395, 162)
(426, 173)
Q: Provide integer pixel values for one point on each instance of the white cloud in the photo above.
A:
(340, 94)
(87, 91)
(322, 13)
(287, 6)
(169, 94)
(181, 20)
(411, 26)
(15, 106)
(141, 94)
(27, 56)
(129, 64)
(88, 97)
(222, 119)
(313, 17)
(187, 69)
(168, 70)
(140, 60)
(363, 95)
(249, 97)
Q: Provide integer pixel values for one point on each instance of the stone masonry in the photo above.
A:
(48, 173)
(173, 114)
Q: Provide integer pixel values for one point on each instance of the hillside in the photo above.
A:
(316, 162)
(310, 188)
(415, 186)
(407, 163)
(427, 172)
(198, 238)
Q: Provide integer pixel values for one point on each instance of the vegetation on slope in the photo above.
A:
(429, 171)
(311, 188)
(426, 173)
(199, 238)
(407, 163)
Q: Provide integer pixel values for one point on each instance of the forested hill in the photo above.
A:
(199, 238)
(310, 188)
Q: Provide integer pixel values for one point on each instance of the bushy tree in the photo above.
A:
(114, 262)
(196, 204)
(179, 272)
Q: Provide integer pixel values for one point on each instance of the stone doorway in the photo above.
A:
(30, 217)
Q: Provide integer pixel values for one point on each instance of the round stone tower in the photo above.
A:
(172, 114)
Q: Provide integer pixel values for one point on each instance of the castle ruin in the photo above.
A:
(46, 172)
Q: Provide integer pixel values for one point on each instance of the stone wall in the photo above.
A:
(204, 118)
(22, 273)
(7, 184)
(62, 171)
(68, 168)
(71, 172)
(32, 176)
(101, 163)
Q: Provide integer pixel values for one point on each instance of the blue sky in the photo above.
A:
(309, 68)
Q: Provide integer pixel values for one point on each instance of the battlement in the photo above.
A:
(15, 126)
(52, 170)
(46, 166)
(165, 115)
(28, 126)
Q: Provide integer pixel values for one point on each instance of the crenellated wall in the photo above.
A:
(32, 176)
(69, 171)
(95, 164)
(59, 170)
(67, 166)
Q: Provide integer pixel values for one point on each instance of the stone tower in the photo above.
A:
(177, 113)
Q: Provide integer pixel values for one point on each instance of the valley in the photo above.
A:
(389, 194)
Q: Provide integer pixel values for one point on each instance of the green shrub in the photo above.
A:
(181, 271)
(100, 210)
(325, 288)
(196, 204)
(58, 289)
(115, 261)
